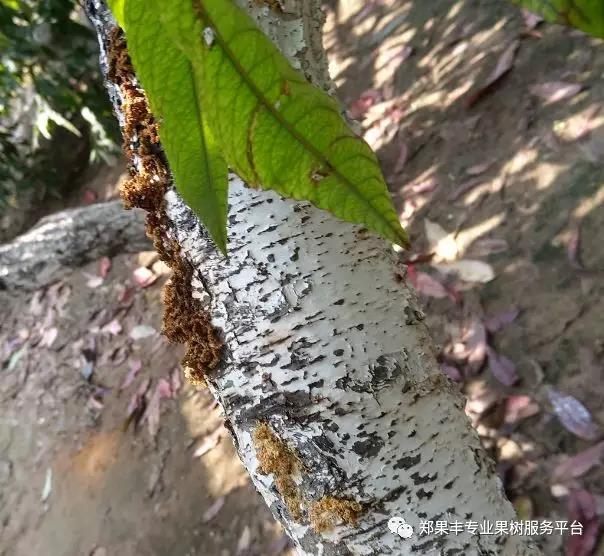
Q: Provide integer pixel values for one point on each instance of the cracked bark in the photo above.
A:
(326, 346)
(70, 238)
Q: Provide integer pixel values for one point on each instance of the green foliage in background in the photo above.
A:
(49, 79)
(273, 128)
(587, 15)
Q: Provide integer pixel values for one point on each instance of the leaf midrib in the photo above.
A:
(206, 161)
(292, 131)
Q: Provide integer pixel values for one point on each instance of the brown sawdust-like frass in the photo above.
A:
(185, 320)
(327, 511)
(277, 458)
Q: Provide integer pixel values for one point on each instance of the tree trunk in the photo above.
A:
(327, 374)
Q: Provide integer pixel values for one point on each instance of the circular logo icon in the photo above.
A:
(400, 527)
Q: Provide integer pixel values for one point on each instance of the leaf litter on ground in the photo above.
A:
(572, 414)
(578, 465)
(213, 510)
(555, 91)
(503, 66)
(503, 368)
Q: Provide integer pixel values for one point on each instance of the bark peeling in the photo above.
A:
(325, 346)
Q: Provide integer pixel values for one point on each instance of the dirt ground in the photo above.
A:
(105, 450)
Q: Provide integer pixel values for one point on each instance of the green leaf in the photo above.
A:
(275, 129)
(172, 87)
(587, 15)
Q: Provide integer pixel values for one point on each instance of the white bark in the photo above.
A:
(326, 344)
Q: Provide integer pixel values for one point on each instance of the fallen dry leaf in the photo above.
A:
(452, 372)
(468, 270)
(503, 66)
(143, 276)
(474, 349)
(518, 407)
(464, 188)
(114, 327)
(94, 281)
(360, 106)
(503, 368)
(209, 443)
(401, 159)
(175, 381)
(141, 331)
(104, 267)
(574, 247)
(213, 510)
(488, 246)
(478, 169)
(135, 367)
(572, 414)
(49, 337)
(582, 509)
(555, 91)
(426, 285)
(442, 243)
(501, 320)
(579, 464)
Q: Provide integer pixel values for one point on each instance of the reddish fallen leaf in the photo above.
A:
(579, 464)
(574, 247)
(213, 510)
(503, 66)
(427, 285)
(503, 368)
(501, 320)
(518, 407)
(209, 443)
(555, 91)
(144, 277)
(104, 267)
(360, 106)
(572, 414)
(135, 367)
(164, 389)
(452, 372)
(583, 516)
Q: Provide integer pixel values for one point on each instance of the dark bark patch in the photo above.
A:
(408, 461)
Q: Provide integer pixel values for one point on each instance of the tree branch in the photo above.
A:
(67, 239)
